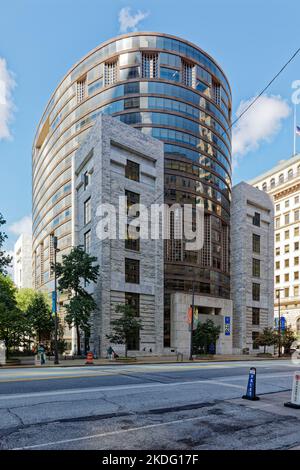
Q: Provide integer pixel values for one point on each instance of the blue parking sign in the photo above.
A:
(227, 326)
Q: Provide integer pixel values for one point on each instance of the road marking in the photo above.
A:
(114, 388)
(111, 433)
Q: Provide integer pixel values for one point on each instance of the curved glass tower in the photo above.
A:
(172, 90)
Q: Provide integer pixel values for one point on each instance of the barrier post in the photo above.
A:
(89, 358)
(295, 399)
(251, 387)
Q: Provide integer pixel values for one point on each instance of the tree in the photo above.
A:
(125, 327)
(39, 317)
(205, 335)
(24, 298)
(267, 338)
(13, 324)
(288, 336)
(5, 260)
(76, 270)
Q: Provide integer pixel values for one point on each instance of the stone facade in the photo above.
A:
(100, 165)
(251, 316)
(22, 260)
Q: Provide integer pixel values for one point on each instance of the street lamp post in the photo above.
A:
(279, 322)
(56, 361)
(192, 322)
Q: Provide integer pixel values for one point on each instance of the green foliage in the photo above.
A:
(288, 336)
(205, 335)
(5, 259)
(38, 315)
(125, 327)
(267, 338)
(13, 324)
(75, 271)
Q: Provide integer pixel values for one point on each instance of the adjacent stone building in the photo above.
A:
(252, 271)
(22, 260)
(115, 161)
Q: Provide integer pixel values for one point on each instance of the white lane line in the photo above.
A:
(111, 433)
(113, 388)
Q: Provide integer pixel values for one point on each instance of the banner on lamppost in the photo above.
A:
(227, 326)
(54, 301)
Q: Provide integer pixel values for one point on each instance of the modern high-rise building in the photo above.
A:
(282, 183)
(169, 89)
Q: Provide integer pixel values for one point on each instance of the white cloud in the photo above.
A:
(7, 84)
(129, 21)
(23, 225)
(260, 124)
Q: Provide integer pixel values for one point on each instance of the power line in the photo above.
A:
(263, 91)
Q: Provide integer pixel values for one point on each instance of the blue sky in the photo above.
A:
(41, 39)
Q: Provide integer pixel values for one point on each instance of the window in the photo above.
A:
(256, 243)
(296, 246)
(134, 301)
(149, 65)
(286, 263)
(110, 72)
(255, 292)
(132, 198)
(132, 271)
(130, 103)
(255, 267)
(296, 216)
(287, 219)
(81, 89)
(216, 92)
(290, 174)
(296, 231)
(255, 316)
(188, 74)
(286, 277)
(132, 243)
(296, 261)
(277, 207)
(264, 187)
(287, 235)
(278, 237)
(277, 251)
(272, 184)
(296, 275)
(298, 326)
(87, 242)
(286, 292)
(87, 211)
(281, 178)
(277, 264)
(296, 291)
(277, 222)
(255, 335)
(86, 180)
(277, 279)
(296, 199)
(256, 219)
(287, 203)
(132, 171)
(286, 248)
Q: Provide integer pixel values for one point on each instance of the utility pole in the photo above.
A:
(192, 321)
(279, 322)
(56, 361)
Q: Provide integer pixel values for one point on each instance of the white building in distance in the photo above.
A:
(22, 261)
(282, 182)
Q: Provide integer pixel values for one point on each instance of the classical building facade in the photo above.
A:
(22, 261)
(282, 183)
(169, 89)
(116, 161)
(252, 265)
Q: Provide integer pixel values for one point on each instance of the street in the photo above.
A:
(188, 406)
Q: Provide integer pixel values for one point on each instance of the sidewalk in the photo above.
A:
(142, 360)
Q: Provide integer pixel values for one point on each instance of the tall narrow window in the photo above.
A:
(216, 92)
(188, 74)
(132, 170)
(87, 211)
(110, 72)
(87, 242)
(149, 65)
(255, 267)
(256, 243)
(132, 271)
(81, 89)
(255, 316)
(256, 219)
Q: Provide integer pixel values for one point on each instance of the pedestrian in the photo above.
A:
(41, 351)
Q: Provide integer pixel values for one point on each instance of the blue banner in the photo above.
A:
(53, 301)
(227, 326)
(251, 387)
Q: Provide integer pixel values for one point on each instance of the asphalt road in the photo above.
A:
(163, 406)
